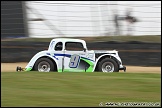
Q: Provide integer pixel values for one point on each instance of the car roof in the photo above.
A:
(68, 39)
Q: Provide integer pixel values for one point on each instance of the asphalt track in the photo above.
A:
(11, 67)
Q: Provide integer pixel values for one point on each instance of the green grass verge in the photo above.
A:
(149, 39)
(77, 89)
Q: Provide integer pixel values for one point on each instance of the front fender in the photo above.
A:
(37, 56)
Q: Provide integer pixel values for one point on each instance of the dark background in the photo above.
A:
(131, 53)
(12, 21)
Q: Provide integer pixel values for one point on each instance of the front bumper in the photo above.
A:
(123, 68)
(23, 69)
(20, 69)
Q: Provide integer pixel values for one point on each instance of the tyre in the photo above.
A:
(108, 65)
(44, 65)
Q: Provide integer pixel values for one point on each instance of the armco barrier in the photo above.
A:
(131, 53)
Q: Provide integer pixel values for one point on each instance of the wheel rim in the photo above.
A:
(43, 66)
(107, 67)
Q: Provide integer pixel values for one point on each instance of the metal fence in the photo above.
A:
(90, 18)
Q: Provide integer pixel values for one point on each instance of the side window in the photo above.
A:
(74, 46)
(58, 46)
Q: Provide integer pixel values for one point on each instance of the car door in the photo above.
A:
(73, 57)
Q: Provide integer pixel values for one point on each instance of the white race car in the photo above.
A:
(72, 55)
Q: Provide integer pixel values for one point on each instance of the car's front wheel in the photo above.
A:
(44, 65)
(108, 65)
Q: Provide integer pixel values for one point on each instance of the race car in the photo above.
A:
(72, 55)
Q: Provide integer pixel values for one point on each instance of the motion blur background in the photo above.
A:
(131, 27)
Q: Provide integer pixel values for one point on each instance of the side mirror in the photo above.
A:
(84, 49)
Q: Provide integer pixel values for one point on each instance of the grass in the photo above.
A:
(150, 39)
(77, 89)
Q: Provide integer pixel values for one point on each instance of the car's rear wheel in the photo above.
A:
(44, 65)
(108, 65)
